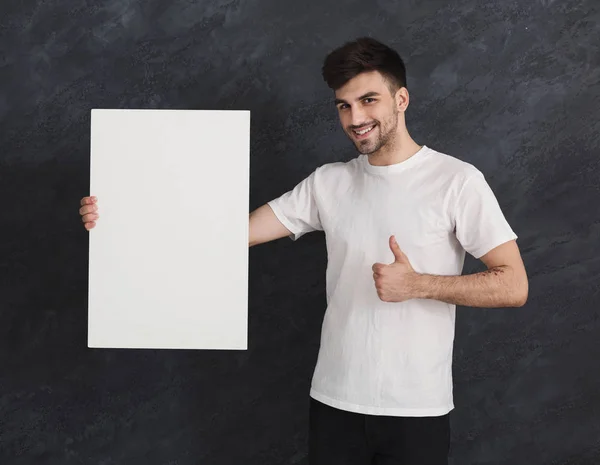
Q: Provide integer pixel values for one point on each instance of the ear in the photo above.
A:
(403, 98)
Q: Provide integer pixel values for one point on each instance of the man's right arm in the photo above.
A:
(265, 226)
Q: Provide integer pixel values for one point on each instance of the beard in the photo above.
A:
(383, 135)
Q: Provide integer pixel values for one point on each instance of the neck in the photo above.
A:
(400, 149)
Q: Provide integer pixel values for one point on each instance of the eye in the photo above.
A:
(342, 106)
(369, 98)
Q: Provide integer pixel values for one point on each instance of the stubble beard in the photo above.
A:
(386, 135)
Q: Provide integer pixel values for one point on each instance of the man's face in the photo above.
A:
(365, 103)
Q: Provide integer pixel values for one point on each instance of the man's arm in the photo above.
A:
(264, 226)
(503, 284)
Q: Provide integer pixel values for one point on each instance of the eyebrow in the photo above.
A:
(367, 95)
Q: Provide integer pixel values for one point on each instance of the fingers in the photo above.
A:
(377, 267)
(90, 217)
(89, 200)
(88, 212)
(88, 209)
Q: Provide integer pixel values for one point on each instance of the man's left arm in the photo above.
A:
(482, 230)
(503, 284)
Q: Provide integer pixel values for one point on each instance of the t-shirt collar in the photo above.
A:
(396, 167)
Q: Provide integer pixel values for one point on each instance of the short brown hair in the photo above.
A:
(361, 55)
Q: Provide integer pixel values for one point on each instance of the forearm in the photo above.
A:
(495, 287)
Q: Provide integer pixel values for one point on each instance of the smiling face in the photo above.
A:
(369, 113)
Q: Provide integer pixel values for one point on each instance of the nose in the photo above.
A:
(359, 117)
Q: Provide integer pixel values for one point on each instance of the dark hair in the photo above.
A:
(360, 55)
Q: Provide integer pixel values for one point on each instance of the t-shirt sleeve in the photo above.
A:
(480, 225)
(298, 208)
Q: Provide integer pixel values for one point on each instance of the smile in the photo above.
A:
(363, 132)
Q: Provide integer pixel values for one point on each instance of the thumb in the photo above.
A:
(398, 254)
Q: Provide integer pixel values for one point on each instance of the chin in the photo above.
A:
(367, 149)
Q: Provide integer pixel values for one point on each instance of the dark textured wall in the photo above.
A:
(512, 87)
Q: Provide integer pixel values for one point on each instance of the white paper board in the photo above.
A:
(168, 258)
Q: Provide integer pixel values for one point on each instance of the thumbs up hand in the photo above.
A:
(395, 282)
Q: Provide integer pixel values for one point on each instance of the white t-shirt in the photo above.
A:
(391, 358)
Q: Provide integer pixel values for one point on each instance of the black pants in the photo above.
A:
(337, 437)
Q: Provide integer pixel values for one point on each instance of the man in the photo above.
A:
(398, 221)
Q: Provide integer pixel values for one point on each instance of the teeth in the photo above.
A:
(360, 133)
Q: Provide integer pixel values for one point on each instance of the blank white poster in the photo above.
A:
(168, 258)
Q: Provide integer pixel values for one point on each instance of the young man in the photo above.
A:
(398, 221)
